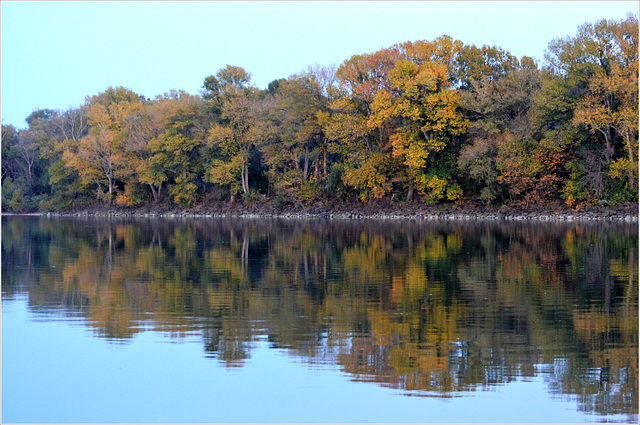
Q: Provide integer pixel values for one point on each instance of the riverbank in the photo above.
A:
(359, 211)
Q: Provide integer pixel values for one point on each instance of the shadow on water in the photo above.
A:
(429, 308)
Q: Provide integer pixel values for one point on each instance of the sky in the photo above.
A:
(54, 54)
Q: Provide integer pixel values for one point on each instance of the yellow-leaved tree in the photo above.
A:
(425, 108)
(365, 164)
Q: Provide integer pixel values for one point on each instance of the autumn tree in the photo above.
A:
(100, 157)
(71, 124)
(364, 164)
(589, 96)
(473, 64)
(63, 129)
(241, 127)
(166, 141)
(498, 110)
(609, 107)
(296, 147)
(325, 78)
(344, 125)
(426, 107)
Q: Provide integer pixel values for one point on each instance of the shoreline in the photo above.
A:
(627, 214)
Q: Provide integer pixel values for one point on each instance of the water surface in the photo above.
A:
(222, 320)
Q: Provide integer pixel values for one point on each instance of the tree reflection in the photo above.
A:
(429, 308)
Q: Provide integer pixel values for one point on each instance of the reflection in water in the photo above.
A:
(432, 309)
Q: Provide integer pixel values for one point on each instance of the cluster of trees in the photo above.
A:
(435, 121)
(387, 303)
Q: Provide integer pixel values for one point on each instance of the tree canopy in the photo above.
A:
(435, 122)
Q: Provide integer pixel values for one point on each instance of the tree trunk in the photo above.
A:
(632, 158)
(110, 189)
(98, 189)
(315, 167)
(608, 150)
(30, 176)
(305, 172)
(428, 135)
(244, 175)
(154, 192)
(324, 156)
(246, 179)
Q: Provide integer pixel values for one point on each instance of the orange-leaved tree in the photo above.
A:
(100, 156)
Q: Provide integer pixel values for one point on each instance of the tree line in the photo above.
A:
(427, 121)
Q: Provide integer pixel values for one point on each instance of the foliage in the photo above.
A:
(241, 128)
(296, 149)
(590, 94)
(532, 173)
(439, 119)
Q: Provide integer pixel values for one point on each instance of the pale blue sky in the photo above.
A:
(56, 53)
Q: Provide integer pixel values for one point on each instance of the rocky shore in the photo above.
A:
(627, 213)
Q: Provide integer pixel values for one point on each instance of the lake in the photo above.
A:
(318, 321)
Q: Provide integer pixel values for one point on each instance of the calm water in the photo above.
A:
(210, 320)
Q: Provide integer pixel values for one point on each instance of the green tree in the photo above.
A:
(241, 128)
(23, 150)
(473, 64)
(166, 145)
(498, 111)
(9, 139)
(296, 147)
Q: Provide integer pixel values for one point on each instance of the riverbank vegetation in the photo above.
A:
(433, 122)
